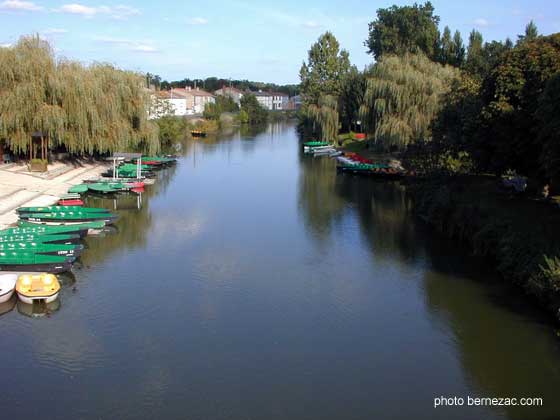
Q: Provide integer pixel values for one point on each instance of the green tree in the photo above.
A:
(403, 97)
(512, 105)
(223, 104)
(548, 129)
(351, 98)
(90, 109)
(459, 49)
(325, 115)
(325, 69)
(531, 33)
(398, 30)
(447, 48)
(475, 60)
(255, 112)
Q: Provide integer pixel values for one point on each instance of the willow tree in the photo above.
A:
(325, 115)
(403, 97)
(86, 109)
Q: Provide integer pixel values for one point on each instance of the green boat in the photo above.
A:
(45, 230)
(45, 239)
(69, 216)
(42, 248)
(107, 187)
(316, 144)
(60, 227)
(49, 209)
(79, 189)
(30, 261)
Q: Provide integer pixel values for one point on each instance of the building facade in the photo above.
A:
(232, 92)
(273, 101)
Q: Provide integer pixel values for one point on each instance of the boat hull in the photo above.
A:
(53, 268)
(30, 300)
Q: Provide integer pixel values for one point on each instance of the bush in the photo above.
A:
(172, 128)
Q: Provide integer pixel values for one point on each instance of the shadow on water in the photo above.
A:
(507, 347)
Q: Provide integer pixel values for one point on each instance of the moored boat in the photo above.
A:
(67, 217)
(7, 286)
(70, 202)
(42, 248)
(56, 227)
(49, 209)
(28, 261)
(42, 238)
(31, 287)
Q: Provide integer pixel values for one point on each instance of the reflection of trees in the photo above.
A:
(134, 219)
(502, 351)
(382, 207)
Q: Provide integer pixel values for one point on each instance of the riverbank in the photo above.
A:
(519, 234)
(20, 187)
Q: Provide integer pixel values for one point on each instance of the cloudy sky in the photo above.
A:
(257, 40)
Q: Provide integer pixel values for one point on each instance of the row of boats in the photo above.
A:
(354, 163)
(48, 239)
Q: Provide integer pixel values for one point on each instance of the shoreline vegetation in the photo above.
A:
(468, 122)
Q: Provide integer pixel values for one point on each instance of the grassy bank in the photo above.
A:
(519, 234)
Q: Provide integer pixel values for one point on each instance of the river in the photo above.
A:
(252, 282)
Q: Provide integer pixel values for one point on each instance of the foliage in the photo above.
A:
(212, 84)
(512, 94)
(223, 104)
(407, 29)
(172, 128)
(86, 109)
(351, 97)
(243, 116)
(531, 33)
(403, 97)
(255, 112)
(325, 115)
(325, 69)
(548, 128)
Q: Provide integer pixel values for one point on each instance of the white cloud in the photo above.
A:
(481, 22)
(311, 24)
(119, 12)
(5, 45)
(197, 21)
(27, 6)
(145, 48)
(131, 45)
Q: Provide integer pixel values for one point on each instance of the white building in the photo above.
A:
(232, 92)
(273, 101)
(200, 99)
(179, 102)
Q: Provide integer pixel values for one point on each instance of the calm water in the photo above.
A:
(252, 282)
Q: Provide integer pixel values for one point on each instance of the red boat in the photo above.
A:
(73, 202)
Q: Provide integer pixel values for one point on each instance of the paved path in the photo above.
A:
(19, 187)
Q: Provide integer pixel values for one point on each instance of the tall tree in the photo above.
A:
(325, 69)
(398, 30)
(531, 33)
(459, 49)
(403, 98)
(447, 48)
(475, 60)
(351, 97)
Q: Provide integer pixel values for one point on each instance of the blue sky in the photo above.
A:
(241, 39)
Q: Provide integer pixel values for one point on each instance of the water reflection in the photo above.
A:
(38, 308)
(506, 346)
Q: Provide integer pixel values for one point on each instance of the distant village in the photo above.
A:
(192, 101)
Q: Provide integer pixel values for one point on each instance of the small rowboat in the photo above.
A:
(42, 238)
(70, 216)
(315, 144)
(31, 287)
(50, 209)
(56, 227)
(79, 189)
(28, 261)
(198, 133)
(71, 202)
(42, 248)
(7, 286)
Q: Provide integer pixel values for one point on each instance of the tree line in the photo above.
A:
(485, 106)
(212, 84)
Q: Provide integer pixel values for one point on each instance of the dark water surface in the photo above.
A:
(255, 283)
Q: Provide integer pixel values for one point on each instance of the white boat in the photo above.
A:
(7, 286)
(31, 287)
(315, 149)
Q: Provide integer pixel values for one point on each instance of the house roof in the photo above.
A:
(180, 92)
(269, 94)
(199, 92)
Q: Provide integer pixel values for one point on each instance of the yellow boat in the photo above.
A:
(30, 287)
